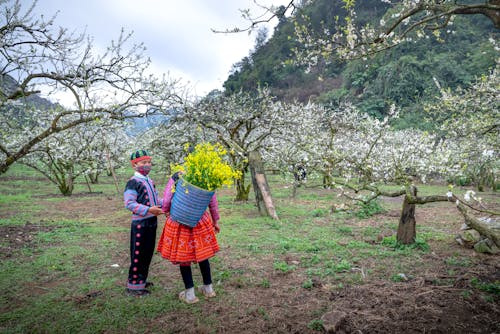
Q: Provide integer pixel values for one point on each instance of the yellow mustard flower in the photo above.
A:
(205, 167)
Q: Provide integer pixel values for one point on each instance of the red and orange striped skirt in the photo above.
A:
(181, 244)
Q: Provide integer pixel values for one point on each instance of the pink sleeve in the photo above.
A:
(213, 206)
(167, 196)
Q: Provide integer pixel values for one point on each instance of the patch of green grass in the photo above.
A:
(265, 283)
(392, 242)
(223, 275)
(432, 235)
(64, 275)
(458, 261)
(371, 231)
(318, 196)
(286, 245)
(263, 313)
(490, 287)
(283, 267)
(308, 284)
(320, 212)
(337, 267)
(466, 294)
(293, 211)
(57, 313)
(399, 278)
(13, 221)
(346, 230)
(489, 299)
(315, 259)
(316, 325)
(21, 199)
(369, 209)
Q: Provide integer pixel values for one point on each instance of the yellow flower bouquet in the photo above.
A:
(205, 171)
(205, 167)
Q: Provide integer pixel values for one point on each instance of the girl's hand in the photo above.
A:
(216, 227)
(155, 210)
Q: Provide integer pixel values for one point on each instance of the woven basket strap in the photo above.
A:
(175, 177)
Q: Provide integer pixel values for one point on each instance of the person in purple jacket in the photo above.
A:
(141, 197)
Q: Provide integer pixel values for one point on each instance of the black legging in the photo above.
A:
(187, 275)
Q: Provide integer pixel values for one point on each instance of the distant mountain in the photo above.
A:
(138, 125)
(9, 85)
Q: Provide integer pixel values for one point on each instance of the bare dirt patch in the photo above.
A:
(15, 237)
(98, 207)
(21, 178)
(74, 195)
(413, 307)
(420, 305)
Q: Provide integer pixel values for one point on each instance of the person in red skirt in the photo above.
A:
(183, 245)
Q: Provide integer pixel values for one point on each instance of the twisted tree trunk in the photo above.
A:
(242, 190)
(407, 232)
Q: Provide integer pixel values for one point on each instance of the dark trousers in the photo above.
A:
(142, 245)
(187, 274)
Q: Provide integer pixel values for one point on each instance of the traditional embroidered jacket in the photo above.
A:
(140, 194)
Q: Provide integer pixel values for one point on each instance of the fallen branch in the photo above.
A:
(484, 229)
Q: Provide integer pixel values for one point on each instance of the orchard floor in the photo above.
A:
(442, 297)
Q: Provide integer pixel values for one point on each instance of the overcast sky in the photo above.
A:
(176, 33)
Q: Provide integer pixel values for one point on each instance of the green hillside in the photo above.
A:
(405, 75)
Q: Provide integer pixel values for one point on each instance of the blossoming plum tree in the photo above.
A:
(86, 151)
(40, 57)
(470, 118)
(242, 123)
(365, 153)
(296, 143)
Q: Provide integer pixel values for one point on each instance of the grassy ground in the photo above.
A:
(65, 262)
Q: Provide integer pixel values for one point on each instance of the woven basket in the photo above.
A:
(189, 203)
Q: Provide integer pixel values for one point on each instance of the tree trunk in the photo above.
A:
(5, 165)
(260, 186)
(93, 177)
(407, 224)
(327, 180)
(294, 190)
(112, 169)
(66, 187)
(242, 190)
(88, 183)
